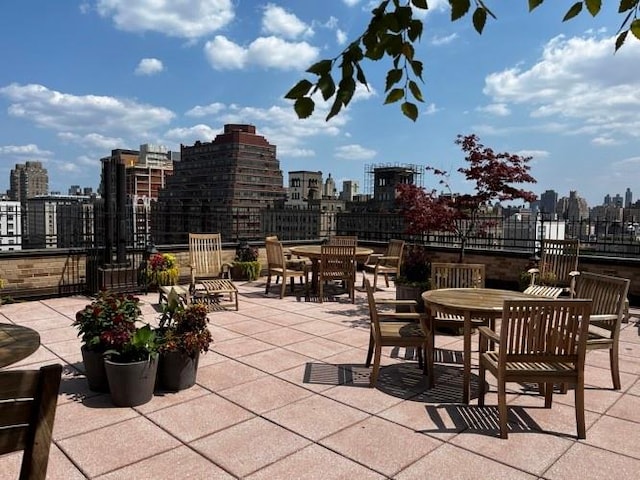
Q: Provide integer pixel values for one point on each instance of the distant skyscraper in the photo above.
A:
(628, 198)
(304, 185)
(329, 188)
(548, 202)
(617, 200)
(350, 188)
(607, 200)
(577, 208)
(27, 181)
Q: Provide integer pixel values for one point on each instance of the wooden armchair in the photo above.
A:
(386, 264)
(277, 265)
(344, 240)
(205, 258)
(557, 269)
(28, 400)
(337, 263)
(540, 341)
(390, 329)
(608, 295)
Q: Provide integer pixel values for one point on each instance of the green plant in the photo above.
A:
(415, 269)
(246, 261)
(162, 269)
(107, 321)
(545, 277)
(184, 329)
(139, 345)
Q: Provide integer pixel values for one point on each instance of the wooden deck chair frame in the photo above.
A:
(558, 265)
(386, 264)
(205, 258)
(540, 341)
(28, 400)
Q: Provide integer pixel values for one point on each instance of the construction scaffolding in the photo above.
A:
(411, 170)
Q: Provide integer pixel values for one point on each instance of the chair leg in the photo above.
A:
(370, 350)
(320, 289)
(292, 281)
(615, 367)
(283, 286)
(386, 280)
(548, 395)
(266, 290)
(502, 409)
(481, 384)
(580, 409)
(376, 366)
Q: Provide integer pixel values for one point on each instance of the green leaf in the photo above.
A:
(394, 95)
(420, 4)
(593, 6)
(635, 28)
(408, 50)
(393, 76)
(627, 5)
(416, 66)
(410, 110)
(415, 30)
(575, 9)
(300, 90)
(326, 86)
(360, 74)
(621, 38)
(335, 109)
(415, 91)
(321, 68)
(533, 4)
(479, 19)
(304, 107)
(346, 89)
(459, 8)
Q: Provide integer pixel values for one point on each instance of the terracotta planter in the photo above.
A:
(94, 370)
(177, 371)
(131, 384)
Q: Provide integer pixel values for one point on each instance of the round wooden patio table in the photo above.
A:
(468, 303)
(314, 252)
(16, 342)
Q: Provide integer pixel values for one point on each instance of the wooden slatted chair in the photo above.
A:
(385, 264)
(205, 258)
(608, 295)
(337, 263)
(277, 265)
(540, 341)
(392, 330)
(343, 240)
(28, 400)
(557, 269)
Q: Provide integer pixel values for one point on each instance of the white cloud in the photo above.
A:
(580, 81)
(354, 152)
(205, 110)
(351, 3)
(498, 109)
(30, 150)
(267, 52)
(189, 135)
(92, 139)
(604, 141)
(437, 41)
(66, 112)
(277, 21)
(430, 110)
(535, 154)
(184, 18)
(341, 37)
(149, 66)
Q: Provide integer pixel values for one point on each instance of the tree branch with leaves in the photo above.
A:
(392, 34)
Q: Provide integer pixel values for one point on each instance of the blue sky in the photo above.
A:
(80, 78)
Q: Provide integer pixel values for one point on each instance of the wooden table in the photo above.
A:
(468, 303)
(314, 252)
(16, 342)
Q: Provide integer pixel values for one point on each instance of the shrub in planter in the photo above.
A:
(245, 264)
(162, 269)
(414, 278)
(111, 315)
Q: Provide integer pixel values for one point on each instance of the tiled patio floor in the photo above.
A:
(284, 395)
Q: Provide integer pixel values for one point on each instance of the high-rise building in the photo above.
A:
(548, 203)
(28, 180)
(329, 191)
(350, 189)
(304, 185)
(221, 186)
(628, 198)
(577, 207)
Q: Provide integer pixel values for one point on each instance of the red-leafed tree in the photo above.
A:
(494, 175)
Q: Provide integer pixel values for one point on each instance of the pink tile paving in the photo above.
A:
(284, 394)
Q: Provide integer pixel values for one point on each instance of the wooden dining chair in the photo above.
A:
(608, 295)
(277, 266)
(391, 329)
(28, 400)
(337, 263)
(557, 269)
(343, 240)
(540, 341)
(385, 264)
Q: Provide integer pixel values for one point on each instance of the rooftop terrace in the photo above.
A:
(283, 394)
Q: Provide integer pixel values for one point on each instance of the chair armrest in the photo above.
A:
(400, 316)
(391, 302)
(488, 333)
(574, 273)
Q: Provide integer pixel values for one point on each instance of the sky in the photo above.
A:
(81, 78)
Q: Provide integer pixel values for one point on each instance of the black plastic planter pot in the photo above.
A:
(94, 370)
(177, 371)
(131, 384)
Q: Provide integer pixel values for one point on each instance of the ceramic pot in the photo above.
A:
(131, 384)
(94, 370)
(177, 371)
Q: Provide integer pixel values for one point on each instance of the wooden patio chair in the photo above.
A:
(557, 269)
(210, 277)
(608, 295)
(390, 329)
(385, 264)
(337, 263)
(343, 240)
(277, 265)
(28, 400)
(540, 341)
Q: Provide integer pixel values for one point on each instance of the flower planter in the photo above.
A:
(409, 292)
(94, 370)
(177, 371)
(131, 384)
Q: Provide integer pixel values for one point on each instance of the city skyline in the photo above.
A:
(123, 73)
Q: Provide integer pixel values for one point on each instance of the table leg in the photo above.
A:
(315, 268)
(466, 376)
